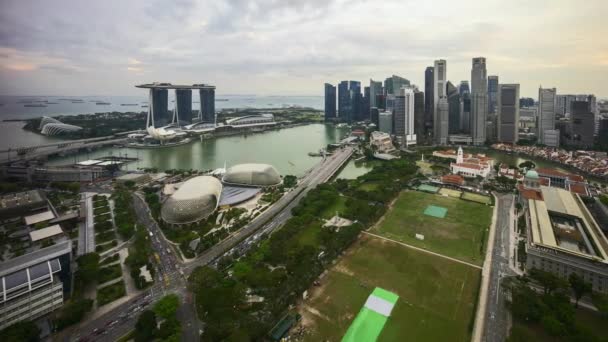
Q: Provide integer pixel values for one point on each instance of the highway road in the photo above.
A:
(172, 273)
(51, 149)
(497, 316)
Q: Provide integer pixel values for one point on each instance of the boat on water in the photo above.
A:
(221, 100)
(128, 104)
(144, 106)
(102, 103)
(34, 105)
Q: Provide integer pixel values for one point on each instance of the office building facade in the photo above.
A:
(419, 117)
(454, 108)
(492, 93)
(581, 126)
(479, 100)
(547, 102)
(508, 113)
(330, 102)
(375, 89)
(403, 116)
(344, 108)
(442, 121)
(439, 92)
(428, 99)
(386, 122)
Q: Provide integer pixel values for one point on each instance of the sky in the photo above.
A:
(292, 47)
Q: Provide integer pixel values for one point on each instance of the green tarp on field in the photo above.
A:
(370, 321)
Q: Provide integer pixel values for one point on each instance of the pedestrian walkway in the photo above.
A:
(424, 250)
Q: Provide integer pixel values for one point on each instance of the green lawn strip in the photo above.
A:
(459, 234)
(476, 198)
(109, 273)
(110, 293)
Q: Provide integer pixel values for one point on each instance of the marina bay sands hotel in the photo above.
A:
(158, 106)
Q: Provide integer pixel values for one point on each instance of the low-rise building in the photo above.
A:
(473, 166)
(563, 236)
(381, 142)
(34, 284)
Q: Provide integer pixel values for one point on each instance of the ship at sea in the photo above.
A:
(128, 104)
(102, 103)
(34, 105)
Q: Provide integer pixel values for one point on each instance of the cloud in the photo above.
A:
(293, 46)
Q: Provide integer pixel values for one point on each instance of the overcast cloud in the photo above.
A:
(292, 47)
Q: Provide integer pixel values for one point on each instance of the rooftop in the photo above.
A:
(40, 217)
(40, 234)
(35, 257)
(561, 221)
(157, 85)
(20, 198)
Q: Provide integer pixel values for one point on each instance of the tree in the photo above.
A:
(600, 301)
(73, 312)
(527, 165)
(145, 328)
(579, 286)
(21, 332)
(549, 281)
(289, 181)
(88, 267)
(167, 306)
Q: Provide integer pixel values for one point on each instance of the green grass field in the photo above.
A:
(461, 234)
(450, 192)
(587, 320)
(436, 296)
(476, 198)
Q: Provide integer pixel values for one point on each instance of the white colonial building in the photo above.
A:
(472, 165)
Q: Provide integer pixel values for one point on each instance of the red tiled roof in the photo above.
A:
(529, 193)
(580, 189)
(469, 166)
(544, 181)
(454, 179)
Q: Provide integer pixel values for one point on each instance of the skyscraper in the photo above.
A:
(547, 102)
(330, 102)
(183, 107)
(386, 122)
(375, 89)
(356, 101)
(365, 104)
(464, 87)
(158, 112)
(403, 115)
(492, 93)
(207, 99)
(441, 124)
(479, 100)
(429, 105)
(453, 108)
(439, 92)
(394, 83)
(582, 124)
(344, 102)
(374, 116)
(465, 113)
(419, 116)
(508, 113)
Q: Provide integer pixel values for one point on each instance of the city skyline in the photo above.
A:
(64, 50)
